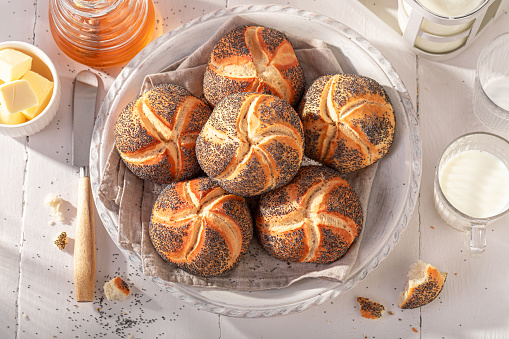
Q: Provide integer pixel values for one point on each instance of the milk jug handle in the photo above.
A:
(477, 241)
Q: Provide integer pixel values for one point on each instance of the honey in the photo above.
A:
(101, 33)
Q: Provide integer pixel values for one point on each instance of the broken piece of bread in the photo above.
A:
(116, 289)
(370, 309)
(54, 201)
(424, 284)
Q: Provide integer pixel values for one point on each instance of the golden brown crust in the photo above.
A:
(200, 228)
(370, 309)
(156, 134)
(253, 59)
(315, 218)
(348, 121)
(251, 144)
(425, 292)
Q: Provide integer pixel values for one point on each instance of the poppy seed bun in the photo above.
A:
(253, 59)
(315, 218)
(251, 144)
(156, 134)
(424, 284)
(348, 121)
(199, 227)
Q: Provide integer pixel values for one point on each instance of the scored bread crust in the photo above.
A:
(348, 121)
(253, 59)
(315, 218)
(424, 284)
(199, 227)
(156, 133)
(251, 144)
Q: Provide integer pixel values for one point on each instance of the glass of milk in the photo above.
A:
(471, 187)
(491, 86)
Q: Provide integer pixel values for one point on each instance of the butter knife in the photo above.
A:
(85, 94)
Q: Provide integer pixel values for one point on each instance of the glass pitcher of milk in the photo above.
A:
(471, 187)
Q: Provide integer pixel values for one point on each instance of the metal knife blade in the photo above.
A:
(85, 94)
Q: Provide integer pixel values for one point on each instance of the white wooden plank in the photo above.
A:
(386, 10)
(12, 180)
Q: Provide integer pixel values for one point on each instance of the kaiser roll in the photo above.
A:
(156, 134)
(253, 59)
(424, 284)
(251, 144)
(348, 121)
(199, 227)
(315, 218)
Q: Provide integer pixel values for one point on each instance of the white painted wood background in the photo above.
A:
(36, 279)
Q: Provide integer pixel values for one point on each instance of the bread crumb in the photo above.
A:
(54, 201)
(370, 309)
(116, 289)
(391, 313)
(61, 241)
(25, 316)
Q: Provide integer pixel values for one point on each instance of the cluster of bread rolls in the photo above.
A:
(249, 141)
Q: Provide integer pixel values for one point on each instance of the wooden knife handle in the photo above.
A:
(84, 245)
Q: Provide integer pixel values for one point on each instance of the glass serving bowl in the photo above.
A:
(101, 33)
(394, 191)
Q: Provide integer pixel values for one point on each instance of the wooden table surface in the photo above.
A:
(36, 279)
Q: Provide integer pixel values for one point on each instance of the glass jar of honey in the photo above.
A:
(101, 33)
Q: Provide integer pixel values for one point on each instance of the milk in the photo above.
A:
(498, 91)
(476, 183)
(451, 8)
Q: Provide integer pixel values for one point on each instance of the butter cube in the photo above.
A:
(11, 119)
(13, 64)
(43, 89)
(17, 96)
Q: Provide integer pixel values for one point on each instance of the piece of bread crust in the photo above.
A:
(370, 309)
(424, 284)
(61, 240)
